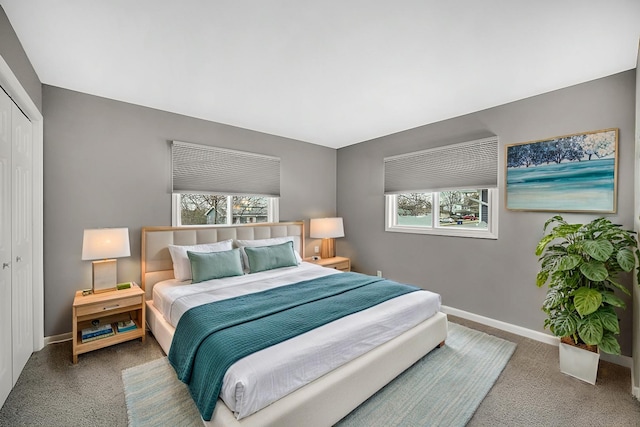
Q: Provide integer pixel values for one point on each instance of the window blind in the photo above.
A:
(204, 169)
(468, 165)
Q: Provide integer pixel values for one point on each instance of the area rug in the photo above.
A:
(443, 388)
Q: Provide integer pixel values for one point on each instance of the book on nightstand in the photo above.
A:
(127, 325)
(97, 332)
(98, 337)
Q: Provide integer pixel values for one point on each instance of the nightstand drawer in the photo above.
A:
(107, 306)
(342, 266)
(338, 263)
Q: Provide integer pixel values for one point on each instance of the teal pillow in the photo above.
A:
(263, 258)
(214, 265)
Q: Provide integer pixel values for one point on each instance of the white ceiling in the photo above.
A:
(329, 72)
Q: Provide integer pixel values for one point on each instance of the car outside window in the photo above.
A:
(462, 213)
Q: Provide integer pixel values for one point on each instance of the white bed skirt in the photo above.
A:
(326, 400)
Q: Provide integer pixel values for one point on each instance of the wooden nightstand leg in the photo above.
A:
(74, 337)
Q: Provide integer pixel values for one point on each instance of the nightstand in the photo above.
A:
(107, 307)
(338, 262)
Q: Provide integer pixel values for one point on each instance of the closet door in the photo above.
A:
(22, 240)
(6, 364)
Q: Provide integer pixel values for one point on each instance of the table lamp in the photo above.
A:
(101, 245)
(326, 229)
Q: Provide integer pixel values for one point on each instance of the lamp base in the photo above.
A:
(328, 248)
(105, 274)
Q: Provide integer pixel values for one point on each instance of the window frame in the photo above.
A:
(273, 211)
(491, 232)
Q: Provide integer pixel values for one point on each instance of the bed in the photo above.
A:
(334, 393)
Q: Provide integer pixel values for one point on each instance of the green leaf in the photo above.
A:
(595, 271)
(626, 259)
(610, 298)
(571, 281)
(590, 330)
(549, 262)
(598, 249)
(587, 300)
(558, 249)
(541, 278)
(564, 324)
(552, 299)
(555, 218)
(543, 243)
(569, 262)
(609, 319)
(609, 344)
(565, 229)
(618, 286)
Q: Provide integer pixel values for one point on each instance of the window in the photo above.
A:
(214, 185)
(463, 213)
(212, 209)
(449, 190)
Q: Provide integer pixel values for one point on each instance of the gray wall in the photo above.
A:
(12, 52)
(492, 278)
(107, 164)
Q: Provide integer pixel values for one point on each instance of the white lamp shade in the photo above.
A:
(326, 228)
(103, 243)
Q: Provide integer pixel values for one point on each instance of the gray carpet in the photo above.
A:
(52, 391)
(530, 391)
(446, 386)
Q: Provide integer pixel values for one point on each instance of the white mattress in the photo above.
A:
(263, 377)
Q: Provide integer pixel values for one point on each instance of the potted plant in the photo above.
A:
(581, 264)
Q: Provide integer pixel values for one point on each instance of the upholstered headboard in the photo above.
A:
(156, 264)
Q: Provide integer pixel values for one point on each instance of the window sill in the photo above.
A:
(445, 231)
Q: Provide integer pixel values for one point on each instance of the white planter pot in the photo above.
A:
(579, 363)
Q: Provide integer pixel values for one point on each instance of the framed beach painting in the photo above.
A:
(571, 173)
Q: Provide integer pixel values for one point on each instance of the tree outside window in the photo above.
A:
(199, 209)
(249, 209)
(202, 209)
(414, 209)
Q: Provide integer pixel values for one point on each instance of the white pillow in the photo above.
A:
(181, 263)
(265, 242)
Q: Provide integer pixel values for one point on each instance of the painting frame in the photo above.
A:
(576, 173)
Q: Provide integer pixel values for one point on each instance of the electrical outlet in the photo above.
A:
(316, 249)
(379, 273)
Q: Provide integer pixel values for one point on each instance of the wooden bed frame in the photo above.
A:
(322, 402)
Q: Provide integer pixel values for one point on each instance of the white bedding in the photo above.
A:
(263, 377)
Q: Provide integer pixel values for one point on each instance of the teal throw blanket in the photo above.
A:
(211, 337)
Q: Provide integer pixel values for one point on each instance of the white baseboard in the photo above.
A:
(635, 389)
(503, 326)
(57, 338)
(625, 361)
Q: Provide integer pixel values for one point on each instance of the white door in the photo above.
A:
(22, 240)
(6, 364)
